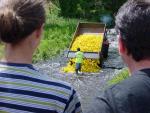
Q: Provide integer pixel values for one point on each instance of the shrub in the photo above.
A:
(57, 36)
(88, 9)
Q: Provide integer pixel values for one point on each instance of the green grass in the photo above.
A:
(58, 33)
(57, 36)
(124, 74)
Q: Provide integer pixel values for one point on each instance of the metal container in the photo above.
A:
(87, 28)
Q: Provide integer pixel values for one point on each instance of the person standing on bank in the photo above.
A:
(79, 59)
(22, 88)
(133, 94)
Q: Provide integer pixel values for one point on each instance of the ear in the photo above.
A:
(121, 46)
(37, 37)
(39, 31)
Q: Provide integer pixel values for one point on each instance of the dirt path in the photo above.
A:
(90, 84)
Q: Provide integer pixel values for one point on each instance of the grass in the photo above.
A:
(58, 32)
(57, 36)
(124, 74)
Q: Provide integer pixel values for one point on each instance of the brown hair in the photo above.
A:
(19, 18)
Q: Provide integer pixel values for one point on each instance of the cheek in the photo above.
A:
(119, 50)
(121, 47)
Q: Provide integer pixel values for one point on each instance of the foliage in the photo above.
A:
(58, 30)
(57, 35)
(88, 9)
(53, 8)
(124, 74)
(112, 5)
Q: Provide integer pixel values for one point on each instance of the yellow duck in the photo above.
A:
(87, 43)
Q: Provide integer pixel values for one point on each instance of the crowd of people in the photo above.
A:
(23, 89)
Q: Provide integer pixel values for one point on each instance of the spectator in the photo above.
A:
(133, 94)
(22, 88)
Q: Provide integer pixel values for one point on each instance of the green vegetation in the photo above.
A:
(124, 74)
(88, 9)
(57, 36)
(58, 29)
(58, 33)
(60, 24)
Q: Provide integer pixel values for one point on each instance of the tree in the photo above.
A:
(88, 9)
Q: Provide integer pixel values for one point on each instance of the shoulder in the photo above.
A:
(134, 90)
(134, 85)
(77, 53)
(50, 85)
(119, 97)
(124, 86)
(38, 85)
(136, 80)
(63, 92)
(72, 104)
(52, 82)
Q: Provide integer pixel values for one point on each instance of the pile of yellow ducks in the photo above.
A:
(87, 43)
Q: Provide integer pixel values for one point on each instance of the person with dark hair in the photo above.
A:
(22, 88)
(79, 60)
(133, 94)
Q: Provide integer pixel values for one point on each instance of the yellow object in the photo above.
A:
(79, 57)
(86, 43)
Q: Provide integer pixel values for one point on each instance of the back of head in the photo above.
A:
(133, 24)
(19, 18)
(78, 49)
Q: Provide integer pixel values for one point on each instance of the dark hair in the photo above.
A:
(78, 49)
(133, 24)
(19, 18)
